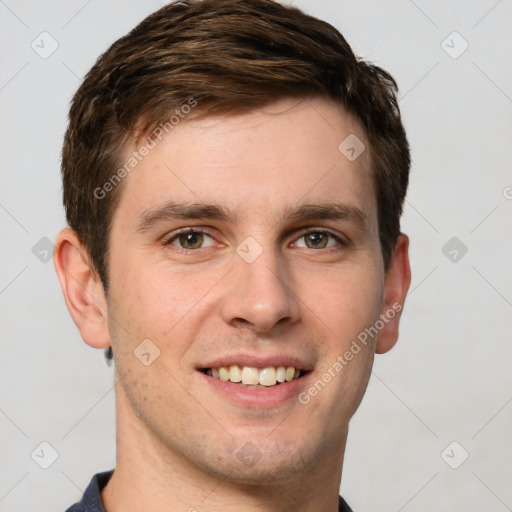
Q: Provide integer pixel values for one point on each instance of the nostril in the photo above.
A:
(242, 321)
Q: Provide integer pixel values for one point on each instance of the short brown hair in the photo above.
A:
(229, 56)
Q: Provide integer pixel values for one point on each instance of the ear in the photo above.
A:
(82, 289)
(396, 285)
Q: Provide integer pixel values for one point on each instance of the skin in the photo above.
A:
(177, 437)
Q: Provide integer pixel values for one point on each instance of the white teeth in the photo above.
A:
(268, 376)
(290, 373)
(235, 374)
(223, 373)
(250, 375)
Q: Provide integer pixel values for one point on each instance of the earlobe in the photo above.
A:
(82, 289)
(396, 285)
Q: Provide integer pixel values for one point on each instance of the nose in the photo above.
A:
(260, 294)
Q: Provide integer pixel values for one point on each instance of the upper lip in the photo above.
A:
(257, 361)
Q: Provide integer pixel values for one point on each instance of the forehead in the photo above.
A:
(260, 163)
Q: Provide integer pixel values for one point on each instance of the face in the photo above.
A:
(246, 241)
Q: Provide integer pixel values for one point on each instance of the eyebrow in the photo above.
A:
(173, 210)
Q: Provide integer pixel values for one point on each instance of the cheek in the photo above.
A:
(347, 301)
(347, 309)
(158, 303)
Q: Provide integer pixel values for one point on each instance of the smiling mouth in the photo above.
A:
(250, 376)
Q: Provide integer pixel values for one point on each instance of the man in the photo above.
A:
(233, 182)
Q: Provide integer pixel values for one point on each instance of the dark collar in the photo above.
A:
(91, 500)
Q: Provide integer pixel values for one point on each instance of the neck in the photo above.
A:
(151, 476)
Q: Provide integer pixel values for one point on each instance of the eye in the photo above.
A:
(319, 240)
(190, 239)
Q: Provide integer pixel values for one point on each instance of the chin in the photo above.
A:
(266, 471)
(262, 463)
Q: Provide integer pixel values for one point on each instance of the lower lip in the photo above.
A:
(263, 398)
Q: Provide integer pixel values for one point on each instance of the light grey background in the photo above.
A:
(449, 377)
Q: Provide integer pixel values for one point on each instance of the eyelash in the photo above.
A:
(168, 241)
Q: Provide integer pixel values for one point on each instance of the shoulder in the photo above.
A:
(342, 506)
(91, 500)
